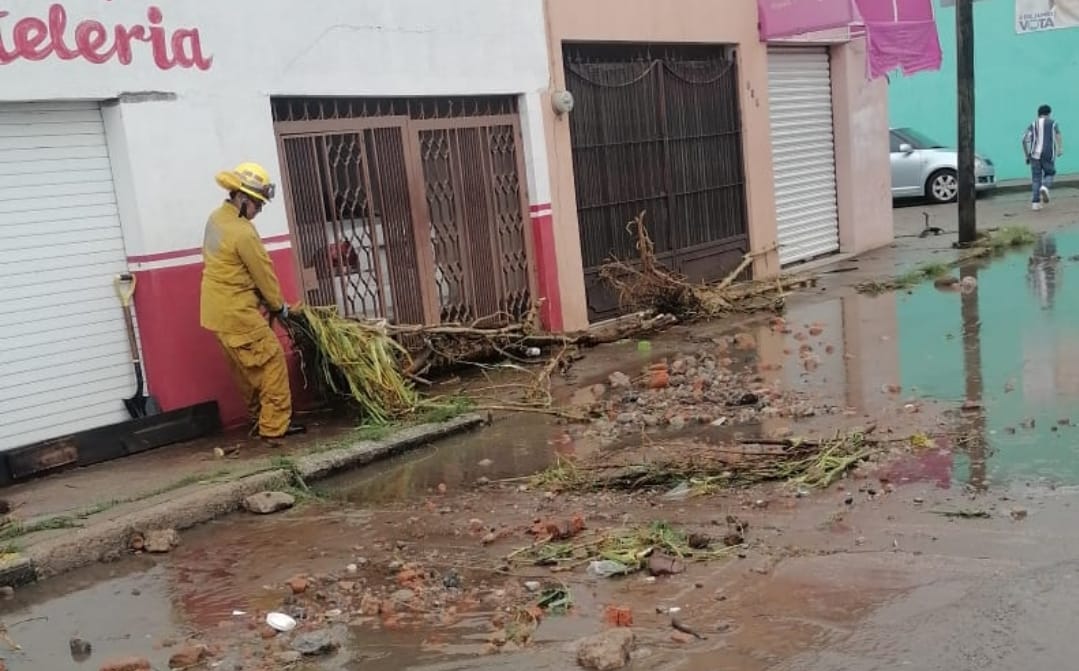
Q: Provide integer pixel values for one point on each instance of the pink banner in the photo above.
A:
(784, 18)
(896, 10)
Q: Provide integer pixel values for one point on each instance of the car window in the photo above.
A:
(895, 142)
(917, 140)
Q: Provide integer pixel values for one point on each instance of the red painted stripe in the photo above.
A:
(180, 253)
(540, 207)
(547, 271)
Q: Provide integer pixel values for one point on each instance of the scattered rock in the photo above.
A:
(681, 639)
(607, 651)
(298, 584)
(127, 664)
(352, 568)
(161, 541)
(267, 503)
(620, 380)
(288, 657)
(618, 616)
(1019, 514)
(558, 530)
(748, 398)
(486, 463)
(678, 423)
(80, 649)
(189, 655)
(310, 644)
(403, 596)
(370, 605)
(533, 586)
(661, 565)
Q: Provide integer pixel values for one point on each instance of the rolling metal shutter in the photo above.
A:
(803, 152)
(66, 362)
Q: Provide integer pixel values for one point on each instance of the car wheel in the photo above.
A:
(943, 186)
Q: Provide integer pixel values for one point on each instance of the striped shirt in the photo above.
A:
(1042, 138)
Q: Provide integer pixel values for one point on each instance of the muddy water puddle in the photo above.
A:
(985, 375)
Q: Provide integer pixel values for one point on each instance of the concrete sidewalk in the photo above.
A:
(88, 515)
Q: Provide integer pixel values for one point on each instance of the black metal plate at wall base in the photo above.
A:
(95, 446)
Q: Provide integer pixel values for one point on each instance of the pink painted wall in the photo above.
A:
(732, 22)
(863, 168)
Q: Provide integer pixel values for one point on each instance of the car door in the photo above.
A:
(907, 168)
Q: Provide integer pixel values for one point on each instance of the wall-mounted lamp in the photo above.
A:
(562, 101)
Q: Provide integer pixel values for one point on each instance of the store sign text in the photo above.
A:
(35, 39)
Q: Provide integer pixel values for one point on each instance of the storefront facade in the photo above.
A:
(428, 171)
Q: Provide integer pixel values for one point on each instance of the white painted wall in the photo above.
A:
(166, 149)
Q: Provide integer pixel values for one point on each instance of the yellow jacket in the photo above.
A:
(237, 271)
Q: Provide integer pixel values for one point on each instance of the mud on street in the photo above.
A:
(927, 525)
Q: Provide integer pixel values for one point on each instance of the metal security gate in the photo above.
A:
(66, 362)
(803, 152)
(657, 129)
(412, 210)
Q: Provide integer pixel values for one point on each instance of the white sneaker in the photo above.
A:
(1044, 194)
(1036, 206)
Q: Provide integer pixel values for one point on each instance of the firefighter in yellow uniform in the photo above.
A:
(238, 279)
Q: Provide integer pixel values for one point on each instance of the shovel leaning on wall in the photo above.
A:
(139, 405)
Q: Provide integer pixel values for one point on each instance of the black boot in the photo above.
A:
(292, 430)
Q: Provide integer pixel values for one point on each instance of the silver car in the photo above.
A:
(922, 168)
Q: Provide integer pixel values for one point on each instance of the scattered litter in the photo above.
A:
(280, 622)
(965, 514)
(607, 568)
(80, 649)
(682, 491)
(679, 626)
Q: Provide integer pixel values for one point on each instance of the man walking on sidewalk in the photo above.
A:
(1042, 145)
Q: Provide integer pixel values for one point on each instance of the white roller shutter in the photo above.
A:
(63, 347)
(803, 152)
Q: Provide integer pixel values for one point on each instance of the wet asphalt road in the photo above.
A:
(1022, 620)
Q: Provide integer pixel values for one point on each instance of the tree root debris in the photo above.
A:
(644, 284)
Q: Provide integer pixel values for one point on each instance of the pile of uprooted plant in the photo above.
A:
(645, 284)
(697, 468)
(378, 366)
(657, 547)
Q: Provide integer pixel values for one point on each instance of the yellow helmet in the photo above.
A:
(249, 178)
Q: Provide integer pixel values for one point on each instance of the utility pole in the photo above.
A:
(964, 48)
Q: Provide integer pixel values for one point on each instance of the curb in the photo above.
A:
(1019, 185)
(102, 541)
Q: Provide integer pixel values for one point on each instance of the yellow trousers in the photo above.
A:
(258, 366)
